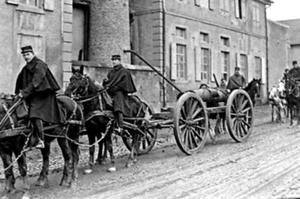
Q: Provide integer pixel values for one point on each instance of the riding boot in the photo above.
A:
(119, 120)
(39, 132)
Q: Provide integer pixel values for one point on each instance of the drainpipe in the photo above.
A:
(164, 51)
(267, 49)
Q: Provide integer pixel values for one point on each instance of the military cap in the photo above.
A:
(26, 49)
(237, 68)
(114, 57)
(294, 62)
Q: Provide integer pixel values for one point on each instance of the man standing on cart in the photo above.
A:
(236, 81)
(119, 84)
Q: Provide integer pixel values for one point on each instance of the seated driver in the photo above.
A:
(236, 81)
(119, 84)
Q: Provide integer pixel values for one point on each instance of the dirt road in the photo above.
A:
(266, 166)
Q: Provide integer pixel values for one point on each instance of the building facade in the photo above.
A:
(191, 41)
(61, 32)
(294, 39)
(278, 51)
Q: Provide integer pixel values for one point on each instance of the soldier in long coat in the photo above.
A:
(36, 84)
(119, 83)
(236, 81)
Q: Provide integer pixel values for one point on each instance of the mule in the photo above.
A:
(17, 144)
(97, 106)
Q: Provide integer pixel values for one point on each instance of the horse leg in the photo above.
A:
(75, 153)
(66, 152)
(102, 152)
(43, 178)
(109, 147)
(92, 139)
(135, 142)
(9, 174)
(22, 165)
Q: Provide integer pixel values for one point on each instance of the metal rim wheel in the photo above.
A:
(190, 123)
(239, 115)
(146, 142)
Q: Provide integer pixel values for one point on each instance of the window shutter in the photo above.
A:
(244, 11)
(236, 5)
(198, 63)
(49, 5)
(173, 61)
(14, 2)
(263, 70)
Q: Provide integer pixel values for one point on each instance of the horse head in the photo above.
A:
(253, 89)
(78, 86)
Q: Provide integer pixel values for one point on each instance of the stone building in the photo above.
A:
(190, 40)
(278, 51)
(61, 31)
(294, 38)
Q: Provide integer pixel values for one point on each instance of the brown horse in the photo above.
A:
(14, 141)
(98, 114)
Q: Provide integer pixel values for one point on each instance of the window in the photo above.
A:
(204, 3)
(240, 8)
(205, 64)
(204, 37)
(244, 65)
(225, 63)
(258, 68)
(181, 62)
(224, 5)
(255, 13)
(225, 41)
(181, 32)
(33, 3)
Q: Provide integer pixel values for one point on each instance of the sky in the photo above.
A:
(283, 10)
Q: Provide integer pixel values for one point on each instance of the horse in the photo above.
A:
(97, 121)
(97, 106)
(14, 121)
(253, 89)
(292, 93)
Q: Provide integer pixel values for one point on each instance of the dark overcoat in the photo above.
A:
(235, 82)
(119, 83)
(38, 87)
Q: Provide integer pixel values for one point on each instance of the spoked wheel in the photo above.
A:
(146, 142)
(239, 115)
(190, 123)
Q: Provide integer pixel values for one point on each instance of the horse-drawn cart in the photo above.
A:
(191, 114)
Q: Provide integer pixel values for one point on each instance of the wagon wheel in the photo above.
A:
(147, 142)
(239, 115)
(190, 123)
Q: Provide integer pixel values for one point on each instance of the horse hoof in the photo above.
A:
(5, 197)
(87, 171)
(112, 169)
(26, 195)
(129, 164)
(41, 183)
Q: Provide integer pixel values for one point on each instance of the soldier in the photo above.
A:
(36, 84)
(295, 71)
(236, 81)
(119, 84)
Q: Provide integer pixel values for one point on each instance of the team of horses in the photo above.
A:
(83, 101)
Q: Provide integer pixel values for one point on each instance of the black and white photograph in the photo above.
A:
(150, 99)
